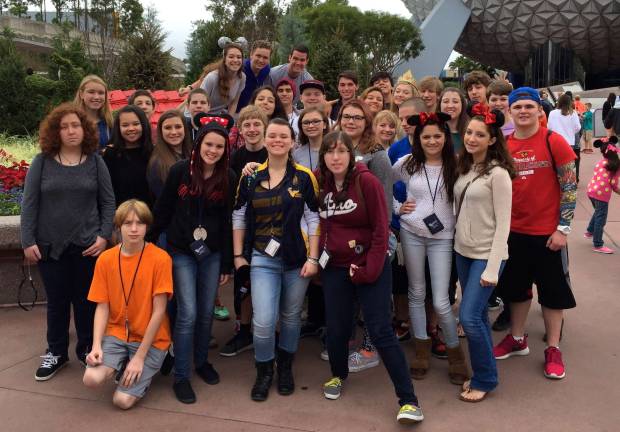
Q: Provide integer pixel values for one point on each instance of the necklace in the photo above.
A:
(69, 163)
(127, 297)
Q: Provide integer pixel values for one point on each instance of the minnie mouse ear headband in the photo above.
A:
(609, 142)
(211, 122)
(423, 118)
(225, 40)
(493, 118)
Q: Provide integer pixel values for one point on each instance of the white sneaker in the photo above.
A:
(362, 360)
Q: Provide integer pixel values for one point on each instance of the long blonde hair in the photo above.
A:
(414, 92)
(105, 112)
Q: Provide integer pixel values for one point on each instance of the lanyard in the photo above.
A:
(127, 297)
(271, 199)
(433, 196)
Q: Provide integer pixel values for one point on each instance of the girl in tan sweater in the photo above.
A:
(483, 195)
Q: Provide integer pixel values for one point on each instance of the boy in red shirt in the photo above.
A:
(131, 286)
(543, 204)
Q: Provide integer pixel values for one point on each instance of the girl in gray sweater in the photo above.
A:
(66, 219)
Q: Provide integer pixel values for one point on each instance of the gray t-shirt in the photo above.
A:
(379, 164)
(303, 155)
(211, 85)
(65, 205)
(281, 71)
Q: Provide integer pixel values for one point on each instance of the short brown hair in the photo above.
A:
(500, 88)
(49, 132)
(138, 207)
(476, 77)
(348, 74)
(261, 43)
(431, 83)
(195, 92)
(252, 112)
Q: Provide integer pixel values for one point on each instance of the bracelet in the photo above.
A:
(313, 261)
(238, 256)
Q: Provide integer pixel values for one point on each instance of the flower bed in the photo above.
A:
(12, 176)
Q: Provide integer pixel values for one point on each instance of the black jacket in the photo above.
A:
(612, 121)
(177, 213)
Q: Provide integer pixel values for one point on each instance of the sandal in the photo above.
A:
(464, 398)
(466, 385)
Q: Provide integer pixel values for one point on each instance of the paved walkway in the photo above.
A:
(586, 400)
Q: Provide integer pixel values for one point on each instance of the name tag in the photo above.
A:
(272, 247)
(324, 259)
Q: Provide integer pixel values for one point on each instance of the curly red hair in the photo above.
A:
(49, 131)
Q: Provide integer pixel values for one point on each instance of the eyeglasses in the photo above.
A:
(333, 152)
(311, 122)
(357, 118)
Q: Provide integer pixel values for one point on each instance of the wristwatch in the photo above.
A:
(564, 229)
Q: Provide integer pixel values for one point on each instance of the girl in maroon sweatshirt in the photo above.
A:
(354, 235)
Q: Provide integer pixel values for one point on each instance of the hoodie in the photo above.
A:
(356, 231)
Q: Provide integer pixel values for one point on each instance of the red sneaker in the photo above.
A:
(509, 347)
(554, 366)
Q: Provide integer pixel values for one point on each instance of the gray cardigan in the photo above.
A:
(65, 205)
(379, 164)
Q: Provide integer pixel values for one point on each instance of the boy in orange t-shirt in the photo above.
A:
(131, 286)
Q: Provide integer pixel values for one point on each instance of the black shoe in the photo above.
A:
(309, 329)
(208, 373)
(264, 377)
(166, 366)
(286, 383)
(494, 303)
(240, 342)
(184, 392)
(502, 322)
(49, 366)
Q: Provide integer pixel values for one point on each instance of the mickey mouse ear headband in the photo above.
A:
(222, 122)
(494, 118)
(423, 118)
(610, 142)
(225, 40)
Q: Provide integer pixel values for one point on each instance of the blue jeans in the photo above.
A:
(375, 301)
(439, 252)
(276, 292)
(195, 288)
(598, 221)
(474, 317)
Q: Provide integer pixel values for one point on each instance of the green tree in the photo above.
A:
(40, 4)
(18, 7)
(388, 40)
(201, 47)
(292, 32)
(18, 117)
(465, 65)
(145, 63)
(131, 17)
(60, 6)
(328, 62)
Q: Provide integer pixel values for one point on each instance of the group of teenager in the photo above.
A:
(374, 206)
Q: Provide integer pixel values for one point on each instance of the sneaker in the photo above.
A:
(208, 373)
(409, 414)
(49, 366)
(603, 250)
(332, 388)
(309, 329)
(494, 303)
(588, 235)
(324, 355)
(554, 366)
(82, 358)
(402, 332)
(502, 322)
(509, 347)
(221, 313)
(184, 392)
(239, 343)
(438, 347)
(362, 360)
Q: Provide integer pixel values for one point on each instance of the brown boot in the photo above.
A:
(457, 367)
(420, 363)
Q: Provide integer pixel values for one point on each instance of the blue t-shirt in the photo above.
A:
(252, 82)
(396, 151)
(104, 133)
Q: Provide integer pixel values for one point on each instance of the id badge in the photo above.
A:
(433, 224)
(272, 247)
(200, 249)
(324, 259)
